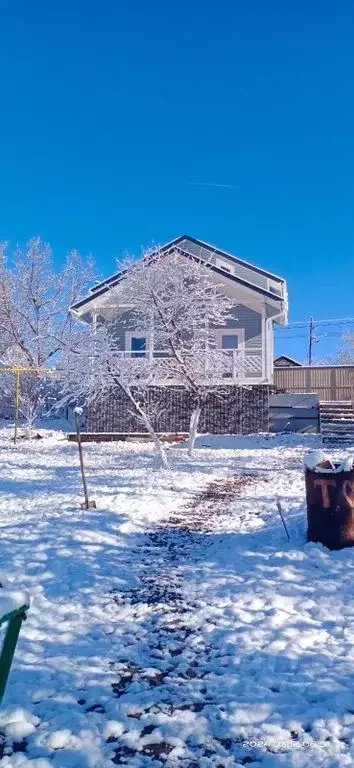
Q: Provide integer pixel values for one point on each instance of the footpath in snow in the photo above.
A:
(174, 625)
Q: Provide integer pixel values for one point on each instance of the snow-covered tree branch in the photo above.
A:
(35, 301)
(346, 352)
(180, 304)
(35, 320)
(92, 366)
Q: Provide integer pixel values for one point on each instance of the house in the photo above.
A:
(259, 298)
(283, 361)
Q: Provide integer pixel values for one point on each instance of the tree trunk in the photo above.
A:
(193, 427)
(154, 437)
(146, 421)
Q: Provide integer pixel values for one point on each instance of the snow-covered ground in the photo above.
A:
(174, 625)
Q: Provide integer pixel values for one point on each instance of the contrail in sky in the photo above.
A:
(212, 184)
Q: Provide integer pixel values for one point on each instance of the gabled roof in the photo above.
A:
(177, 241)
(290, 360)
(106, 285)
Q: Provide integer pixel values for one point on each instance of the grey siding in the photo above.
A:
(250, 321)
(242, 318)
(125, 322)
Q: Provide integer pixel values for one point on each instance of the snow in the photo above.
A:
(174, 625)
(314, 458)
(12, 600)
(319, 461)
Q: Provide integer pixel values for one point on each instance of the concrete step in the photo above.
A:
(338, 419)
(334, 411)
(339, 435)
(324, 403)
(338, 432)
(331, 430)
(335, 406)
(339, 423)
(334, 443)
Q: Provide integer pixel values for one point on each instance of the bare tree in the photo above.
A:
(345, 354)
(35, 301)
(92, 365)
(34, 309)
(179, 304)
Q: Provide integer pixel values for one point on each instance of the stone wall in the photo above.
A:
(232, 410)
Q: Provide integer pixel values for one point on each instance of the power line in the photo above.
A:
(313, 326)
(318, 336)
(303, 327)
(327, 321)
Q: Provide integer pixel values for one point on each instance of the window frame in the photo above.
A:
(130, 335)
(224, 266)
(239, 332)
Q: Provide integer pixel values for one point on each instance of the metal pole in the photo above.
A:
(79, 445)
(17, 402)
(281, 516)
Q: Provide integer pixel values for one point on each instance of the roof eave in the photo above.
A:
(233, 278)
(202, 244)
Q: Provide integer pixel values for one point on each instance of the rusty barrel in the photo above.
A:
(330, 506)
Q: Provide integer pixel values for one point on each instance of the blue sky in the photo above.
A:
(128, 123)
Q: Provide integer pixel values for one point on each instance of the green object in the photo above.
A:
(14, 621)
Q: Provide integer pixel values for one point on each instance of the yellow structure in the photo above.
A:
(18, 372)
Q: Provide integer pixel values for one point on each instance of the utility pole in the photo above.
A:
(311, 338)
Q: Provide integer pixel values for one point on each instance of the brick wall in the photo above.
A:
(237, 410)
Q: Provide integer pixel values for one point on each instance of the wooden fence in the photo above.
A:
(329, 382)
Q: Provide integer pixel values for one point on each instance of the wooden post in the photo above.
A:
(311, 339)
(79, 445)
(17, 402)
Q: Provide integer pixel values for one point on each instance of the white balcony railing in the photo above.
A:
(238, 365)
(245, 364)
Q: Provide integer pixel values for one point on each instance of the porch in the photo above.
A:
(241, 366)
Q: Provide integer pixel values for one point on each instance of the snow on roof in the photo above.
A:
(288, 359)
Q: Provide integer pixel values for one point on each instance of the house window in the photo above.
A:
(229, 341)
(138, 346)
(274, 288)
(224, 265)
(230, 338)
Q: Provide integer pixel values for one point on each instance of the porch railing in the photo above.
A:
(237, 364)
